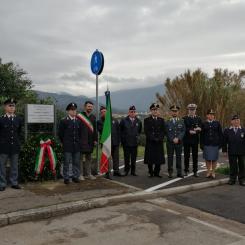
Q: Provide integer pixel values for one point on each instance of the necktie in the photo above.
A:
(235, 130)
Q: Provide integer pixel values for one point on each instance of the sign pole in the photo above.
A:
(26, 124)
(97, 118)
(97, 65)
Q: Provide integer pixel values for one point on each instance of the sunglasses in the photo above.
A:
(132, 111)
(11, 105)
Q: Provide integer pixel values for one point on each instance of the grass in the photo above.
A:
(223, 170)
(141, 150)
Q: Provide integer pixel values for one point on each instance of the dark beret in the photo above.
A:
(132, 108)
(71, 106)
(10, 101)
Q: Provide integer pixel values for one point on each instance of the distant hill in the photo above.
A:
(121, 100)
(140, 97)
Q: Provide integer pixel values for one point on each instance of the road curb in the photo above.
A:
(78, 206)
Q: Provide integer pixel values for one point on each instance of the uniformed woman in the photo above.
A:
(211, 142)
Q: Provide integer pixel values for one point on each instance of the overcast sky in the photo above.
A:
(142, 41)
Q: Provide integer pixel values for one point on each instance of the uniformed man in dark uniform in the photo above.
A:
(70, 137)
(130, 129)
(10, 129)
(154, 128)
(193, 124)
(89, 140)
(115, 141)
(175, 130)
(234, 137)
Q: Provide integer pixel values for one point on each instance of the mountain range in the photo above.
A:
(120, 100)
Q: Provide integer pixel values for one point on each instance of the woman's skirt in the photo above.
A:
(211, 153)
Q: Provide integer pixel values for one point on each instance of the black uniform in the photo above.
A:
(154, 129)
(10, 129)
(211, 134)
(130, 132)
(235, 139)
(191, 141)
(70, 136)
(115, 141)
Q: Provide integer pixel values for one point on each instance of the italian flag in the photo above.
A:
(106, 137)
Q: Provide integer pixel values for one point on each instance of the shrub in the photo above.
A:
(28, 157)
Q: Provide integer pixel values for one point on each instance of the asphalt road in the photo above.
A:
(132, 224)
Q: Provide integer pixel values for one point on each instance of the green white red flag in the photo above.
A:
(105, 139)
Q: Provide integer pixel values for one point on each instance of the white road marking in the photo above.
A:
(156, 187)
(216, 227)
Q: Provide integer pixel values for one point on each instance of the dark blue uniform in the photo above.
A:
(235, 140)
(175, 128)
(70, 135)
(10, 129)
(154, 152)
(130, 132)
(191, 141)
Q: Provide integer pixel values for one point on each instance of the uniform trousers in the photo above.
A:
(194, 149)
(171, 149)
(130, 155)
(74, 159)
(13, 176)
(237, 167)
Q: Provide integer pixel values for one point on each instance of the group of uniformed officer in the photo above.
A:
(77, 133)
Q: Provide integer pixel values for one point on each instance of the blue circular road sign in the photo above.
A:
(97, 62)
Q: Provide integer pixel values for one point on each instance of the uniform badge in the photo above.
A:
(242, 135)
(137, 124)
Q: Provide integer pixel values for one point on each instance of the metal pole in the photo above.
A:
(55, 122)
(97, 118)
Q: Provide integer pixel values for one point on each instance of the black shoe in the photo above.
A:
(150, 175)
(76, 180)
(134, 174)
(170, 175)
(196, 174)
(2, 188)
(157, 175)
(231, 182)
(180, 176)
(66, 181)
(107, 176)
(117, 174)
(17, 187)
(242, 183)
(186, 173)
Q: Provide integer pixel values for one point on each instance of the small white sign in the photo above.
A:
(40, 113)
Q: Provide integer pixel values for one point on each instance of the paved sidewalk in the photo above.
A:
(36, 195)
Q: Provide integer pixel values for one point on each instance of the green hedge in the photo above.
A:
(28, 157)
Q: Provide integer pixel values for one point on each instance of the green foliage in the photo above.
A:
(223, 170)
(28, 157)
(223, 91)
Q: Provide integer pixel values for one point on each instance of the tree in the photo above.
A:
(222, 92)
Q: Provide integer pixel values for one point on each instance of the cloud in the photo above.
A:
(142, 41)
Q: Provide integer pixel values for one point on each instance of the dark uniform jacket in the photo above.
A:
(88, 138)
(115, 130)
(211, 134)
(155, 131)
(190, 124)
(70, 134)
(10, 129)
(130, 131)
(175, 130)
(235, 141)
